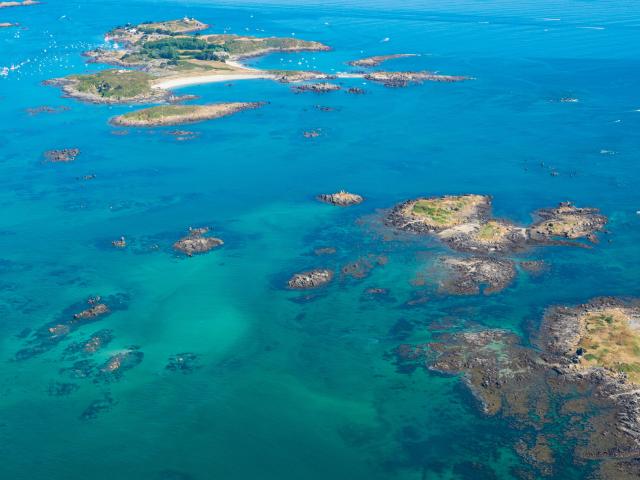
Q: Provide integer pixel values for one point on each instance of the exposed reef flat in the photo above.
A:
(378, 59)
(341, 198)
(470, 276)
(567, 221)
(403, 79)
(180, 114)
(324, 87)
(465, 223)
(310, 279)
(196, 242)
(24, 3)
(590, 407)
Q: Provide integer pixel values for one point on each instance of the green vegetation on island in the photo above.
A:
(180, 114)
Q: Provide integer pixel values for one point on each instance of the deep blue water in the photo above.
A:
(289, 389)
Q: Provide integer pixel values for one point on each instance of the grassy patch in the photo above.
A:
(491, 231)
(441, 211)
(609, 341)
(161, 111)
(114, 83)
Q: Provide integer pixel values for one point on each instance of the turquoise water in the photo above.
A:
(290, 389)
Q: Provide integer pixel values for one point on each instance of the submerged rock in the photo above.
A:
(310, 279)
(98, 407)
(62, 156)
(58, 389)
(183, 362)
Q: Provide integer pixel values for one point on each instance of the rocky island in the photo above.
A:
(154, 57)
(583, 378)
(197, 242)
(323, 87)
(465, 223)
(340, 199)
(159, 56)
(310, 279)
(378, 59)
(163, 115)
(403, 79)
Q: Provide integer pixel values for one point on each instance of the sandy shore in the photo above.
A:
(178, 82)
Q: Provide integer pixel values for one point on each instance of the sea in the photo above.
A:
(285, 384)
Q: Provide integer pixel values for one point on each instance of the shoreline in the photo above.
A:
(179, 82)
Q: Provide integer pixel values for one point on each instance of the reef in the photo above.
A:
(465, 223)
(579, 386)
(46, 109)
(51, 334)
(312, 133)
(120, 243)
(95, 342)
(356, 91)
(62, 156)
(324, 87)
(404, 79)
(113, 369)
(361, 267)
(310, 279)
(60, 389)
(183, 363)
(197, 242)
(97, 407)
(341, 198)
(378, 59)
(163, 115)
(470, 276)
(324, 251)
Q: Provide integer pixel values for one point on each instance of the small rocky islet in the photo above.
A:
(197, 241)
(341, 198)
(310, 279)
(580, 385)
(163, 115)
